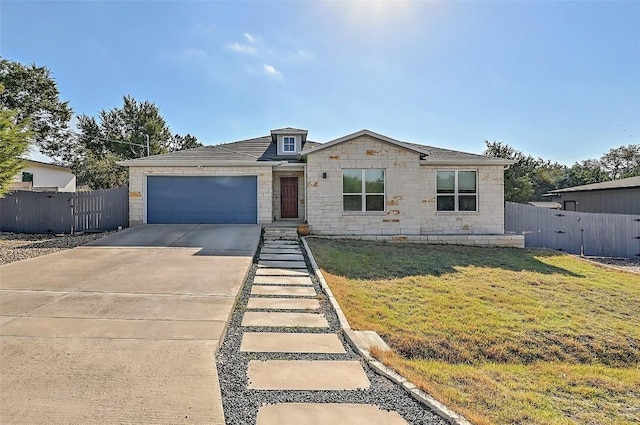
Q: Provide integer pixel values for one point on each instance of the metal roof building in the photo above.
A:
(614, 197)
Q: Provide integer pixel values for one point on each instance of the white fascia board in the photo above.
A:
(468, 162)
(145, 163)
(369, 133)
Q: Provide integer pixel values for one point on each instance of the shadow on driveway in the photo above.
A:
(211, 239)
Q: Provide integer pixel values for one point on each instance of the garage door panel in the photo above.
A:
(202, 199)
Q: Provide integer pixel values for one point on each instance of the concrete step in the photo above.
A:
(274, 342)
(286, 250)
(276, 233)
(281, 272)
(283, 304)
(281, 244)
(326, 413)
(282, 280)
(284, 291)
(282, 264)
(301, 375)
(281, 257)
(277, 319)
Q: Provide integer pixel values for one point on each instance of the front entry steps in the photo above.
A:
(273, 233)
(282, 282)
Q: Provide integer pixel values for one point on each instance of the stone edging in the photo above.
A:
(442, 410)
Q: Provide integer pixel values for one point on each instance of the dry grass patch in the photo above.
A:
(503, 335)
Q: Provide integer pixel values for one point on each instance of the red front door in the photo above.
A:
(288, 197)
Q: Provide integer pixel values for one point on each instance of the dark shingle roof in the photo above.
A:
(259, 149)
(613, 184)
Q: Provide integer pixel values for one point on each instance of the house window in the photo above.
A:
(457, 190)
(27, 177)
(363, 190)
(289, 144)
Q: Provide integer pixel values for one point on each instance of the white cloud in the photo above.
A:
(271, 70)
(249, 37)
(243, 48)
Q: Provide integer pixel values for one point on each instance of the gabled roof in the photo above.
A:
(256, 151)
(46, 164)
(289, 130)
(613, 184)
(432, 155)
(365, 132)
(545, 204)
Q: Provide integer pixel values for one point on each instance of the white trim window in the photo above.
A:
(363, 190)
(457, 190)
(288, 144)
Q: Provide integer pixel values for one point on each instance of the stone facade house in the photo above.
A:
(363, 185)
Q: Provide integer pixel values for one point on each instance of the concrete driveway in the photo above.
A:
(124, 330)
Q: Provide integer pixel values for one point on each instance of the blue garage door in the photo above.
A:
(203, 199)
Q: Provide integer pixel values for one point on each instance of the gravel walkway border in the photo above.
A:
(241, 404)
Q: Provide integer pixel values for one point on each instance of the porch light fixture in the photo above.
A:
(324, 175)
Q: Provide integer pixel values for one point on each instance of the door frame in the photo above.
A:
(297, 215)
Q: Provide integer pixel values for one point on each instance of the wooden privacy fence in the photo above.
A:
(591, 234)
(64, 212)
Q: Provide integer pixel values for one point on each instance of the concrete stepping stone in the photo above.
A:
(280, 272)
(283, 264)
(277, 319)
(301, 375)
(282, 257)
(273, 342)
(283, 303)
(281, 244)
(282, 280)
(326, 413)
(283, 291)
(281, 251)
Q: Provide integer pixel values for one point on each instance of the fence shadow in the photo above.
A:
(376, 260)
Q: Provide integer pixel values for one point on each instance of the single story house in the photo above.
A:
(613, 197)
(361, 185)
(43, 177)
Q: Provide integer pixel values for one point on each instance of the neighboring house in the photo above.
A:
(362, 184)
(547, 205)
(614, 197)
(42, 177)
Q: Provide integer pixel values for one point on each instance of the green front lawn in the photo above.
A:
(503, 336)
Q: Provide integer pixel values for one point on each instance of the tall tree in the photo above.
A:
(584, 172)
(119, 134)
(31, 92)
(518, 185)
(14, 143)
(622, 162)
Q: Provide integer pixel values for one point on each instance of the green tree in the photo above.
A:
(584, 172)
(180, 143)
(31, 92)
(622, 162)
(14, 143)
(518, 182)
(119, 134)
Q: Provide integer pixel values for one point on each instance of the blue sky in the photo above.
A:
(560, 80)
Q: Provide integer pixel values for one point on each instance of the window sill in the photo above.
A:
(361, 213)
(457, 212)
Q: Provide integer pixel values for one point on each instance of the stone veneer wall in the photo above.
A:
(137, 182)
(410, 194)
(276, 192)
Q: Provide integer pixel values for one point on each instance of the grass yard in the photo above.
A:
(502, 336)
